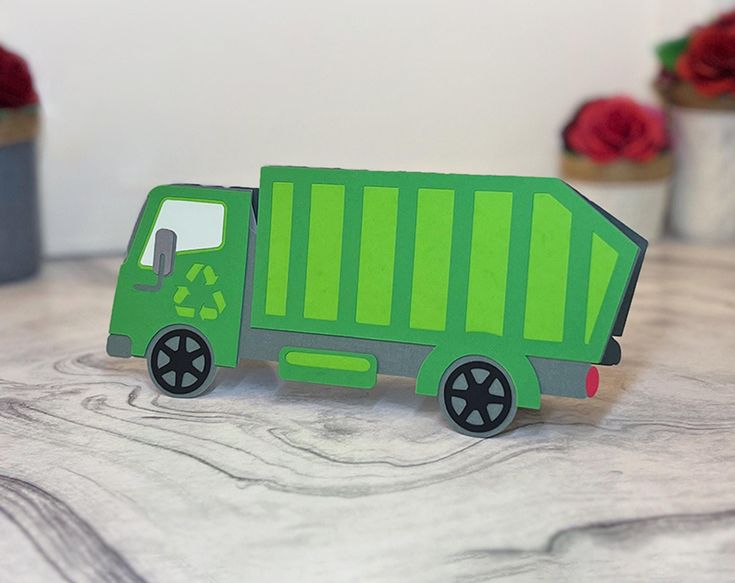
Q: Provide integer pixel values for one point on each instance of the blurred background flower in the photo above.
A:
(616, 128)
(16, 84)
(705, 57)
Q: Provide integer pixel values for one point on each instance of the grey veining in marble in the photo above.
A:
(102, 479)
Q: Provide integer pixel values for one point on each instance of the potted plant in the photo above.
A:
(19, 229)
(616, 151)
(697, 82)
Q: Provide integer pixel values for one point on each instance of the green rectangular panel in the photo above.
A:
(324, 251)
(328, 367)
(331, 360)
(432, 258)
(488, 275)
(377, 255)
(548, 264)
(602, 265)
(279, 248)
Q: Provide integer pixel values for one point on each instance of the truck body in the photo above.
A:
(339, 275)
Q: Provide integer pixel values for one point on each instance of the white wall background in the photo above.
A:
(142, 92)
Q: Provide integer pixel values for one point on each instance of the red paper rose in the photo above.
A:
(16, 84)
(708, 62)
(726, 19)
(616, 128)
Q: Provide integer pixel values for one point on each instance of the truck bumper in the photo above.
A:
(566, 379)
(119, 345)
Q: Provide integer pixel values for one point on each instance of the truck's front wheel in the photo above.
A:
(477, 397)
(180, 363)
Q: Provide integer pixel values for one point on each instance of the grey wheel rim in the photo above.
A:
(180, 363)
(477, 397)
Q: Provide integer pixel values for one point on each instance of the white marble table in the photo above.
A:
(102, 479)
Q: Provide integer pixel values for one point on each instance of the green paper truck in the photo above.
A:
(488, 290)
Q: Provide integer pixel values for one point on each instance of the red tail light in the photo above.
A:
(592, 382)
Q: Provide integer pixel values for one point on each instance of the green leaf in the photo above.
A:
(669, 51)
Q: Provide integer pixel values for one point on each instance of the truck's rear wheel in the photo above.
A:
(477, 397)
(180, 363)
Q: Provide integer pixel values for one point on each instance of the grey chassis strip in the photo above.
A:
(563, 378)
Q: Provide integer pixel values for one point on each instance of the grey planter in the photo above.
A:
(703, 205)
(20, 248)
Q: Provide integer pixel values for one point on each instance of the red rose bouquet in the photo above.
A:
(698, 69)
(616, 151)
(16, 84)
(18, 99)
(697, 83)
(616, 128)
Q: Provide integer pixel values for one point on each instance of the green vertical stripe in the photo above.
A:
(602, 264)
(324, 251)
(279, 247)
(403, 274)
(519, 251)
(459, 268)
(488, 276)
(547, 269)
(377, 255)
(299, 242)
(432, 257)
(350, 254)
(579, 265)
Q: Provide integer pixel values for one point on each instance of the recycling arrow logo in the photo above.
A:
(208, 310)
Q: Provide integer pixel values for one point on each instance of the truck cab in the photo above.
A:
(184, 270)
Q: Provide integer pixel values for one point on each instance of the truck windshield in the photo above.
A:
(197, 224)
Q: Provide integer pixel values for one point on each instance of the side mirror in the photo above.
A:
(164, 252)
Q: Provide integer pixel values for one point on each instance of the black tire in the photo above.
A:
(180, 363)
(477, 397)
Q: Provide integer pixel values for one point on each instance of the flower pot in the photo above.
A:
(697, 82)
(703, 196)
(19, 223)
(635, 193)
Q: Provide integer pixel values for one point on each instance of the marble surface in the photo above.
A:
(102, 479)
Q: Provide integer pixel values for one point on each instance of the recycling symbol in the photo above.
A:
(208, 310)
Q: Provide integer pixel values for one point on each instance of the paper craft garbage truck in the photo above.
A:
(488, 290)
